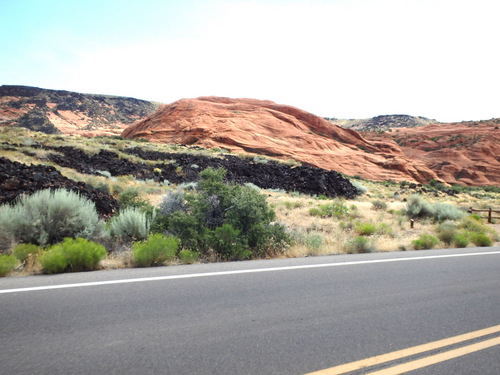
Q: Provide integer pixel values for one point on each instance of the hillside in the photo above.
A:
(467, 153)
(57, 111)
(285, 132)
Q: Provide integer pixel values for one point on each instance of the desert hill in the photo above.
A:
(267, 128)
(466, 153)
(57, 111)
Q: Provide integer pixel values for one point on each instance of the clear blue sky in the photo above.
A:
(337, 58)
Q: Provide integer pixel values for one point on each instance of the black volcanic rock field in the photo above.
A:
(17, 178)
(176, 168)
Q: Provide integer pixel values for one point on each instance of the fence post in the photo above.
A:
(412, 222)
(489, 216)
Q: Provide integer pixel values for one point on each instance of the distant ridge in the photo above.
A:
(384, 122)
(60, 111)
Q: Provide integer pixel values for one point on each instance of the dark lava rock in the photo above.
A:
(179, 168)
(17, 179)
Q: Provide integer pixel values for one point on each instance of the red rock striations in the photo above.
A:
(267, 128)
(466, 153)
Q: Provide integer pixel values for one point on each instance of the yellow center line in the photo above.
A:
(424, 362)
(372, 361)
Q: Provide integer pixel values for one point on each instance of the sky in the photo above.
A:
(334, 58)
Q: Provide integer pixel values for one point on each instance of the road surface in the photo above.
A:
(285, 316)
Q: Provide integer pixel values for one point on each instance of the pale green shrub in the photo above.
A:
(46, 217)
(131, 224)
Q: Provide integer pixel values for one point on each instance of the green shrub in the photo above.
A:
(481, 239)
(385, 229)
(460, 240)
(241, 212)
(131, 224)
(188, 256)
(7, 264)
(471, 224)
(336, 209)
(72, 255)
(358, 245)
(226, 242)
(365, 229)
(131, 198)
(379, 205)
(425, 241)
(46, 217)
(447, 231)
(155, 251)
(23, 250)
(313, 211)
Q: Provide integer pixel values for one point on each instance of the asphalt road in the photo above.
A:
(289, 316)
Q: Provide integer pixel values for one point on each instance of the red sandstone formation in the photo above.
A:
(467, 153)
(267, 128)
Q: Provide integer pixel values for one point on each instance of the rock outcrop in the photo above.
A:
(267, 128)
(466, 153)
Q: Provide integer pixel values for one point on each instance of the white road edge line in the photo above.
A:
(237, 272)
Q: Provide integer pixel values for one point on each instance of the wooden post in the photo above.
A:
(489, 216)
(412, 222)
(469, 210)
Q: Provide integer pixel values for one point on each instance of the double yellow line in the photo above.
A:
(423, 362)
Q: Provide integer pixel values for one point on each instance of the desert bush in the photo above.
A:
(379, 205)
(131, 224)
(23, 250)
(7, 264)
(131, 198)
(385, 229)
(365, 229)
(72, 255)
(481, 239)
(359, 186)
(188, 256)
(245, 211)
(460, 240)
(447, 231)
(336, 209)
(313, 241)
(226, 242)
(358, 245)
(425, 241)
(417, 207)
(156, 250)
(48, 216)
(443, 211)
(173, 201)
